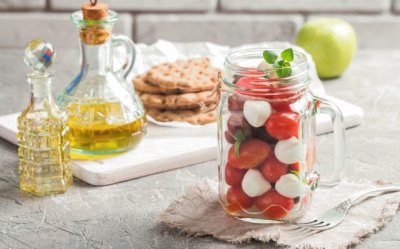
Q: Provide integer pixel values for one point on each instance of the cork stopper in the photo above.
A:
(94, 34)
(95, 11)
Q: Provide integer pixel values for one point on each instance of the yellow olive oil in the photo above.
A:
(43, 154)
(100, 129)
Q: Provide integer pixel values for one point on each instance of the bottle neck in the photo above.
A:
(96, 59)
(40, 89)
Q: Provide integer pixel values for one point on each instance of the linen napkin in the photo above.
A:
(198, 213)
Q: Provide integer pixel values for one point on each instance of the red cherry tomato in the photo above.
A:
(272, 169)
(273, 205)
(235, 103)
(283, 125)
(229, 137)
(252, 82)
(281, 106)
(234, 176)
(238, 122)
(238, 200)
(295, 166)
(252, 153)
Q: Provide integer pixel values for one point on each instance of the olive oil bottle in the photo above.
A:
(44, 162)
(106, 117)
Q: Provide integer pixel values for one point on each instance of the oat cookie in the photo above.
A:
(195, 74)
(178, 101)
(191, 116)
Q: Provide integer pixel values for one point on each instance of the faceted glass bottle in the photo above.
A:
(106, 117)
(43, 151)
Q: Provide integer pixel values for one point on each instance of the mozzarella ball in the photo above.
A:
(254, 184)
(290, 186)
(290, 151)
(256, 112)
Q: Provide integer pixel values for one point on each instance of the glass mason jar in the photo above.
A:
(106, 117)
(266, 138)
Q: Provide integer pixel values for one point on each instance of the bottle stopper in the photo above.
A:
(39, 55)
(94, 11)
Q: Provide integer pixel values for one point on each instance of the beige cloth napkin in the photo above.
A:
(199, 213)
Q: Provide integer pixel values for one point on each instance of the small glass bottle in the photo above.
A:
(44, 162)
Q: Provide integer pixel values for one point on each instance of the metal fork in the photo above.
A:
(336, 215)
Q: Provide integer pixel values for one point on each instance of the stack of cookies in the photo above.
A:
(185, 91)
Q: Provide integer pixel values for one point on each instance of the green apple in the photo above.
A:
(331, 42)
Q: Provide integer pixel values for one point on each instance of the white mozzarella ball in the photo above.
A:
(254, 184)
(256, 112)
(290, 186)
(290, 151)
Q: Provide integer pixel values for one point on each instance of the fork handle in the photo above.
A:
(385, 189)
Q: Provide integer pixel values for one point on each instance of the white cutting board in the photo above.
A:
(164, 148)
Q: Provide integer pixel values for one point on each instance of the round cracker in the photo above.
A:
(191, 116)
(141, 85)
(195, 74)
(178, 101)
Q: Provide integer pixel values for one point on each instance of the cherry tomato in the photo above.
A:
(295, 166)
(273, 205)
(238, 200)
(252, 153)
(235, 103)
(272, 169)
(229, 138)
(238, 122)
(281, 106)
(252, 82)
(234, 176)
(283, 125)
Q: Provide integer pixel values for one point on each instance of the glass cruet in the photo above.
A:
(106, 117)
(44, 162)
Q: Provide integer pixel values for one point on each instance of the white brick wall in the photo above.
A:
(144, 5)
(380, 32)
(230, 22)
(225, 29)
(22, 4)
(56, 28)
(357, 6)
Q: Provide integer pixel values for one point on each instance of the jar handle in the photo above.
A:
(127, 43)
(330, 108)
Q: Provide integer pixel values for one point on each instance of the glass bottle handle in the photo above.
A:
(127, 43)
(330, 108)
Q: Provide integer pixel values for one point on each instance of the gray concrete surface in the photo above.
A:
(125, 215)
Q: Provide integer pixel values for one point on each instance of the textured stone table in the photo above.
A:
(125, 215)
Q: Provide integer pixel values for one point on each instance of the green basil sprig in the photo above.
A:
(282, 67)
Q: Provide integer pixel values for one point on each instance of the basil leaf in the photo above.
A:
(269, 56)
(239, 138)
(278, 64)
(236, 149)
(287, 55)
(284, 72)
